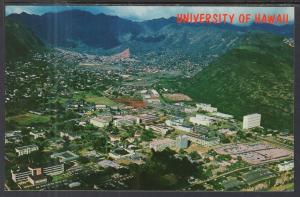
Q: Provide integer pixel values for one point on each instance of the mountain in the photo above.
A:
(20, 41)
(255, 76)
(84, 31)
(74, 28)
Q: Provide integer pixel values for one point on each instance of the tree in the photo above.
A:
(147, 135)
(195, 156)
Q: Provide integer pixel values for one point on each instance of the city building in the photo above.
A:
(206, 107)
(251, 121)
(286, 166)
(159, 145)
(25, 150)
(182, 141)
(101, 121)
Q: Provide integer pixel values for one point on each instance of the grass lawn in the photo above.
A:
(28, 119)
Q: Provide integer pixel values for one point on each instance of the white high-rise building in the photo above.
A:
(251, 121)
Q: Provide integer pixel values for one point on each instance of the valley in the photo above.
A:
(151, 105)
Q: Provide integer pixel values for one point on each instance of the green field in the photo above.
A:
(28, 119)
(99, 100)
(92, 98)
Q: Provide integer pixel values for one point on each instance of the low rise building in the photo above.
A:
(126, 120)
(159, 128)
(120, 153)
(20, 175)
(37, 134)
(202, 120)
(174, 121)
(108, 163)
(148, 118)
(183, 128)
(50, 169)
(222, 115)
(101, 121)
(203, 140)
(25, 150)
(159, 145)
(65, 156)
(286, 166)
(182, 141)
(37, 179)
(206, 107)
(70, 136)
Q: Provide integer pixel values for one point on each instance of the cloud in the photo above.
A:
(140, 13)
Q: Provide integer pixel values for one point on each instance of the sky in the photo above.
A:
(140, 13)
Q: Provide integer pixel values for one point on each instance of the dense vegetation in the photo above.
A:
(255, 77)
(19, 40)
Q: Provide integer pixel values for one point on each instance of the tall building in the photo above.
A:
(182, 141)
(251, 121)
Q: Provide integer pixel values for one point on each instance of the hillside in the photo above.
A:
(257, 76)
(19, 40)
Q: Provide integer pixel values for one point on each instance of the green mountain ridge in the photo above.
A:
(255, 77)
(20, 41)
